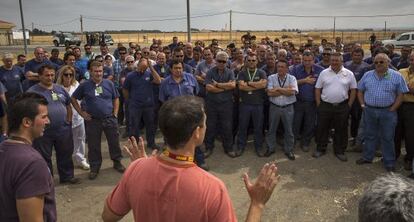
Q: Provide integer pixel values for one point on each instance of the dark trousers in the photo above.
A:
(219, 120)
(405, 130)
(304, 121)
(337, 116)
(94, 130)
(356, 113)
(156, 110)
(147, 115)
(63, 144)
(121, 113)
(247, 112)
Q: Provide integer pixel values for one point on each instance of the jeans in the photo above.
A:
(255, 112)
(219, 120)
(380, 125)
(286, 115)
(94, 128)
(304, 112)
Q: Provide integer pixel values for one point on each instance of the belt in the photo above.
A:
(282, 106)
(378, 107)
(336, 104)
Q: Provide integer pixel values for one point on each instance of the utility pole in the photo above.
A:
(334, 30)
(24, 30)
(230, 28)
(385, 30)
(81, 26)
(32, 26)
(188, 22)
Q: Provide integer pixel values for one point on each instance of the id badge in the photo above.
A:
(98, 90)
(250, 92)
(55, 97)
(162, 69)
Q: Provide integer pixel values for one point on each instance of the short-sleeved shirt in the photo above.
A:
(82, 65)
(164, 72)
(12, 80)
(98, 98)
(255, 97)
(169, 88)
(170, 192)
(382, 91)
(57, 99)
(58, 62)
(409, 79)
(107, 71)
(275, 82)
(203, 67)
(306, 90)
(140, 89)
(268, 71)
(335, 86)
(400, 63)
(357, 69)
(24, 174)
(226, 76)
(33, 65)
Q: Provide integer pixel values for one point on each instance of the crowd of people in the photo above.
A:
(285, 95)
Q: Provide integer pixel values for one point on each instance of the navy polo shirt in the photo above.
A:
(139, 86)
(12, 80)
(170, 88)
(56, 107)
(98, 105)
(187, 68)
(107, 71)
(306, 91)
(164, 72)
(357, 69)
(254, 97)
(226, 76)
(33, 65)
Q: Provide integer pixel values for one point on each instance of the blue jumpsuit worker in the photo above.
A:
(181, 83)
(220, 83)
(58, 134)
(138, 90)
(252, 84)
(100, 110)
(11, 76)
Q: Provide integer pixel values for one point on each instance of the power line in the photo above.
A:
(57, 24)
(154, 20)
(323, 16)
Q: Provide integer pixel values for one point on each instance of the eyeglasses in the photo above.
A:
(179, 56)
(222, 61)
(326, 54)
(122, 53)
(146, 53)
(129, 62)
(67, 74)
(379, 62)
(251, 60)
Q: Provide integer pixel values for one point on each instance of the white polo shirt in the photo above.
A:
(335, 86)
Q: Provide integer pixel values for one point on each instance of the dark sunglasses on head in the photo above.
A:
(67, 74)
(221, 61)
(379, 62)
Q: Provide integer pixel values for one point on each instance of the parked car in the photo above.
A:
(108, 39)
(404, 39)
(65, 38)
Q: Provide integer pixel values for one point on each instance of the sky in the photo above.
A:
(162, 15)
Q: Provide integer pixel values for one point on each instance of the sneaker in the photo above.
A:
(84, 165)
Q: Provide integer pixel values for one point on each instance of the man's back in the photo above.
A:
(158, 190)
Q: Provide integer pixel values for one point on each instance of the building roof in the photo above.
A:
(6, 25)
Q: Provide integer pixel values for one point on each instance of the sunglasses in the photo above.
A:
(222, 61)
(129, 62)
(146, 53)
(379, 62)
(67, 74)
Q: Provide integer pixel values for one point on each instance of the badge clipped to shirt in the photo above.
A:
(162, 70)
(250, 92)
(54, 96)
(98, 90)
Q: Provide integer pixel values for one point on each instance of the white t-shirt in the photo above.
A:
(335, 86)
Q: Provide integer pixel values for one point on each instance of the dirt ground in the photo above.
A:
(324, 189)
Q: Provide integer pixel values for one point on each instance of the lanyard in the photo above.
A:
(250, 76)
(182, 158)
(281, 84)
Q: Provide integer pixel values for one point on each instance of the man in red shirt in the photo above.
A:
(170, 187)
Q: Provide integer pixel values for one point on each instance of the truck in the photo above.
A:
(404, 39)
(66, 39)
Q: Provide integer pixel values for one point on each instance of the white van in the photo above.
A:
(404, 39)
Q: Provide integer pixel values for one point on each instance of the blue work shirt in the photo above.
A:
(82, 65)
(226, 76)
(107, 71)
(98, 105)
(139, 86)
(382, 91)
(306, 90)
(12, 80)
(357, 69)
(33, 65)
(57, 99)
(169, 88)
(164, 72)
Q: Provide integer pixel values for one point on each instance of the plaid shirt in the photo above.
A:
(118, 66)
